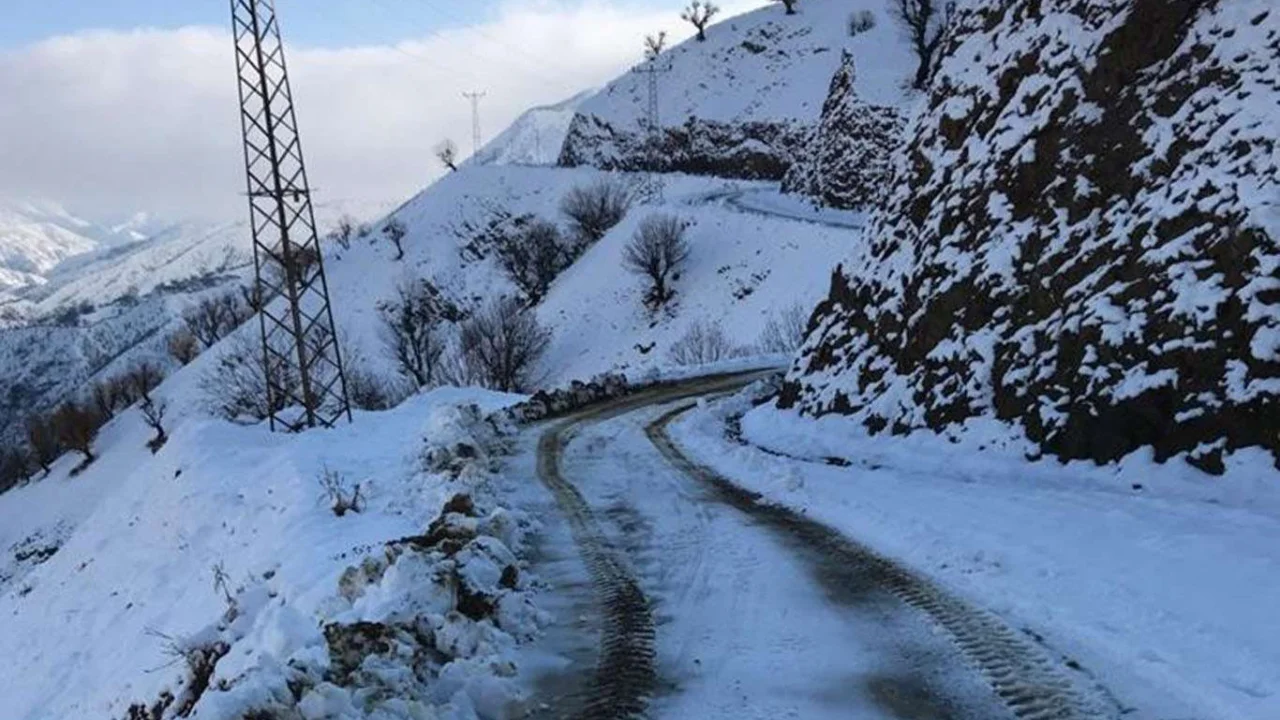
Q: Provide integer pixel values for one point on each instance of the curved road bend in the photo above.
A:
(705, 603)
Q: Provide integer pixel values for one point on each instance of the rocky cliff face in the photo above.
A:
(847, 159)
(1081, 238)
(747, 150)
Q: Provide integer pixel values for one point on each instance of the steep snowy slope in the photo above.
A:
(740, 103)
(1081, 239)
(535, 138)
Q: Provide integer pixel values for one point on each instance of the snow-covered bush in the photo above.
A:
(183, 346)
(861, 21)
(593, 210)
(342, 495)
(395, 231)
(657, 252)
(785, 330)
(701, 344)
(214, 317)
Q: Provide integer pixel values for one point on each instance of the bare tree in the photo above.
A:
(790, 5)
(699, 14)
(785, 330)
(213, 318)
(395, 231)
(153, 414)
(15, 468)
(654, 45)
(235, 388)
(533, 257)
(77, 427)
(42, 439)
(658, 251)
(141, 379)
(501, 345)
(343, 231)
(922, 24)
(447, 154)
(594, 210)
(251, 294)
(413, 330)
(343, 497)
(183, 346)
(702, 343)
(106, 396)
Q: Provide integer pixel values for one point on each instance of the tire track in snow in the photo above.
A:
(625, 674)
(1021, 675)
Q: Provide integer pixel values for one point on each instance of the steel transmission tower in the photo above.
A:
(475, 98)
(305, 381)
(653, 124)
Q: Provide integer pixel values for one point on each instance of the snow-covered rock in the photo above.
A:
(535, 138)
(1081, 238)
(849, 156)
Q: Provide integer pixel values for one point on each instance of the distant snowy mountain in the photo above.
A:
(35, 237)
(535, 138)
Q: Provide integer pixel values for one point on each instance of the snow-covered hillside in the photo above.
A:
(1082, 239)
(36, 236)
(535, 138)
(741, 103)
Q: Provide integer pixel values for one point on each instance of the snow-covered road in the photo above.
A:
(746, 611)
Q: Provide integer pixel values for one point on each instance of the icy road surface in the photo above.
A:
(740, 618)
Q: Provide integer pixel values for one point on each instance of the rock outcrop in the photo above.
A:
(848, 159)
(1081, 238)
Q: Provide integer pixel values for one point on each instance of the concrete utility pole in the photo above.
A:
(306, 385)
(475, 97)
(653, 124)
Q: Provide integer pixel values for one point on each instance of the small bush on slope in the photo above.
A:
(657, 252)
(593, 210)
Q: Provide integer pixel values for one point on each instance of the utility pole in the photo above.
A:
(653, 124)
(475, 97)
(306, 385)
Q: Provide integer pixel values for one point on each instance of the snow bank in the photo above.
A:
(1161, 586)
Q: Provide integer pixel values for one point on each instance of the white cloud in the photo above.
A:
(111, 122)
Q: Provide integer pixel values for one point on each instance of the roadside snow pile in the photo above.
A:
(742, 103)
(410, 604)
(1081, 240)
(848, 158)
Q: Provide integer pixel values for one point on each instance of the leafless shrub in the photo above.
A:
(790, 5)
(236, 386)
(153, 414)
(106, 397)
(594, 210)
(657, 252)
(213, 318)
(251, 295)
(861, 21)
(413, 330)
(343, 231)
(701, 344)
(77, 428)
(201, 660)
(394, 231)
(785, 330)
(500, 346)
(699, 15)
(342, 496)
(183, 346)
(533, 257)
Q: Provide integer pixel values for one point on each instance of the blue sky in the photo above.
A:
(325, 23)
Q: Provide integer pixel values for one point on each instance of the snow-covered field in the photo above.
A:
(1160, 582)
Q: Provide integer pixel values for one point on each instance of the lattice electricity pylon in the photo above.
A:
(653, 125)
(305, 382)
